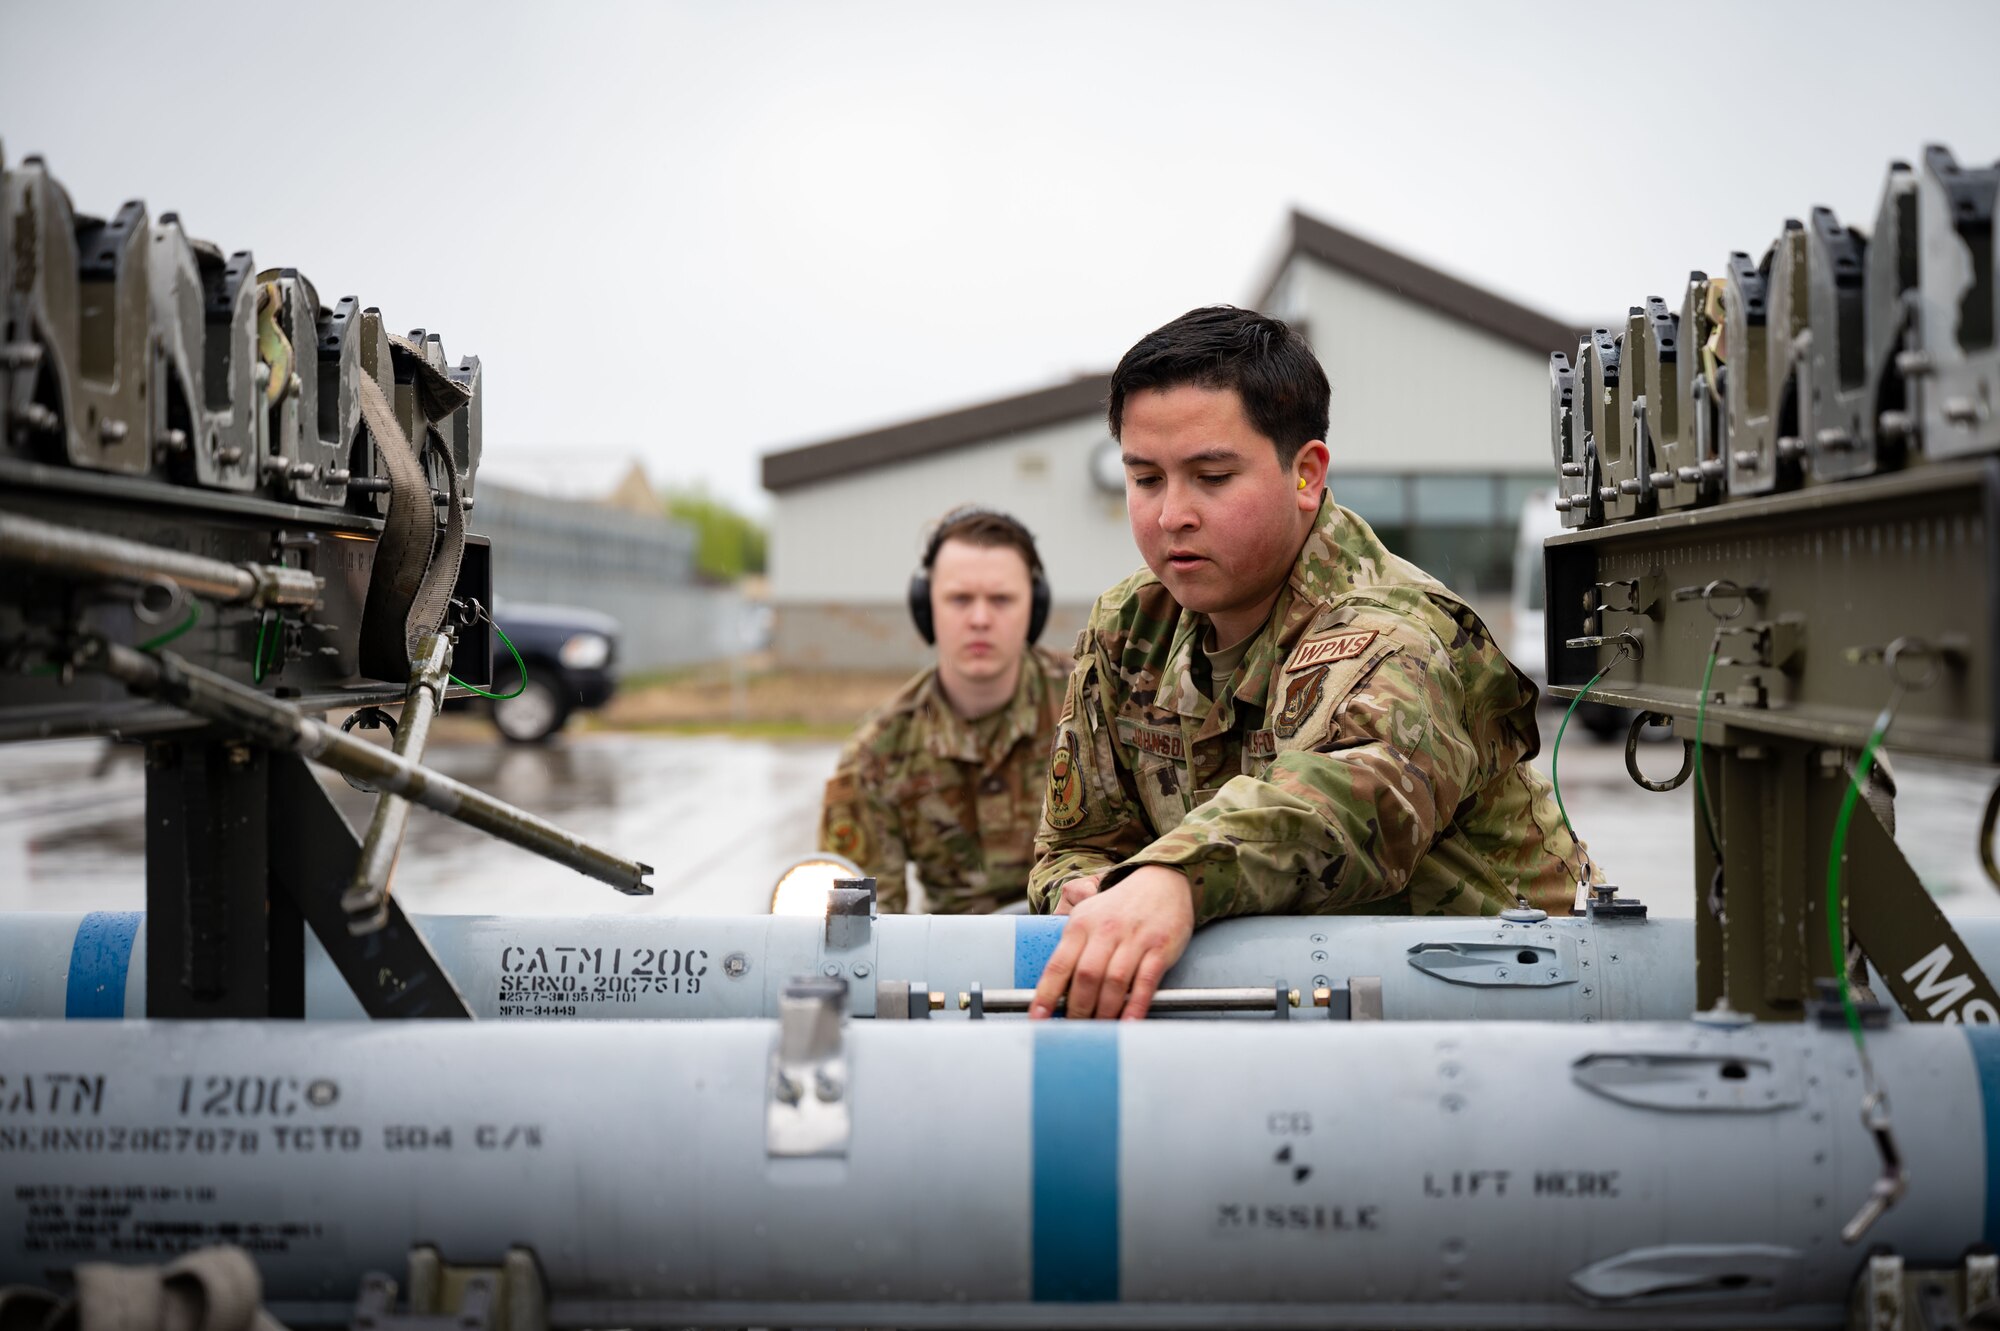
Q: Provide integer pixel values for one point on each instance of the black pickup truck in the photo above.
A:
(569, 652)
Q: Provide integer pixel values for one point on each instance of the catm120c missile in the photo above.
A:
(1432, 969)
(814, 1173)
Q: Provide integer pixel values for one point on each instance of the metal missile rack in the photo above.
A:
(187, 467)
(1780, 501)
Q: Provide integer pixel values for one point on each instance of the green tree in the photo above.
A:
(728, 544)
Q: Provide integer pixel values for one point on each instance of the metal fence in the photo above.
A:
(634, 567)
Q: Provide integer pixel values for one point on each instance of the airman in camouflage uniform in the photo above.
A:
(918, 783)
(1370, 754)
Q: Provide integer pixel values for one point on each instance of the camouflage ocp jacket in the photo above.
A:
(919, 784)
(1370, 755)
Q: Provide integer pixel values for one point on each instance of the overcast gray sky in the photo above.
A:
(695, 233)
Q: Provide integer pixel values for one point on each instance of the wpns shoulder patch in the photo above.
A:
(1325, 651)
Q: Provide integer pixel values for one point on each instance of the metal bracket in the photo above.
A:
(1892, 1295)
(1689, 1276)
(1527, 962)
(1602, 902)
(1636, 596)
(1982, 1281)
(391, 971)
(850, 912)
(905, 1000)
(1722, 1082)
(1829, 1014)
(1356, 998)
(806, 1098)
(443, 1297)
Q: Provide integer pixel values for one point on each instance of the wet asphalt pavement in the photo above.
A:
(718, 819)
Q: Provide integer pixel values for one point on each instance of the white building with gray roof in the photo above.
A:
(1439, 431)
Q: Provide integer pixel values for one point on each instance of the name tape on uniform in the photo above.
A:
(1163, 743)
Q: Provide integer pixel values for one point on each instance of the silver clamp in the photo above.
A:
(1357, 998)
(278, 585)
(850, 912)
(905, 1000)
(806, 1097)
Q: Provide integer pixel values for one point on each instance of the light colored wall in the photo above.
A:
(842, 551)
(1414, 390)
(636, 568)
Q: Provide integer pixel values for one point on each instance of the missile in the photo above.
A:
(710, 966)
(813, 1172)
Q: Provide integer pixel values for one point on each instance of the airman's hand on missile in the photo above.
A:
(1118, 945)
(1075, 892)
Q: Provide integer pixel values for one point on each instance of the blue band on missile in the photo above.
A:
(98, 961)
(1985, 1042)
(1075, 1243)
(1035, 939)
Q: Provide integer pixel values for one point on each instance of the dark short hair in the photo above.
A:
(1269, 364)
(985, 527)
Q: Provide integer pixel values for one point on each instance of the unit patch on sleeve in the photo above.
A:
(1064, 807)
(1325, 651)
(843, 832)
(1301, 696)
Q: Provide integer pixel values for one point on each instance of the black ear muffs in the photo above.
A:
(920, 606)
(920, 582)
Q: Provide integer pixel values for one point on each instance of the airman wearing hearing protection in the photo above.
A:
(947, 776)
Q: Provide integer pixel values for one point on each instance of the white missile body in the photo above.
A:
(1173, 1174)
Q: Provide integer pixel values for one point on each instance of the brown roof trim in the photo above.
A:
(794, 467)
(1424, 285)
